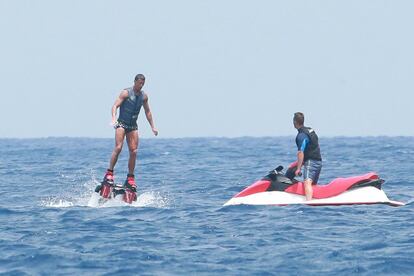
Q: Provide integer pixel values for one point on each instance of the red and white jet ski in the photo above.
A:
(278, 188)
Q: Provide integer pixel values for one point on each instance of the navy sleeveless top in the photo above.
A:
(130, 107)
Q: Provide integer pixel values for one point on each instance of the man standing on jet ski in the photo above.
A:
(129, 103)
(309, 154)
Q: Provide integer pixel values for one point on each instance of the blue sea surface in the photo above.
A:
(178, 225)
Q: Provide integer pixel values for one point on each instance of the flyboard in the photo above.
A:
(108, 190)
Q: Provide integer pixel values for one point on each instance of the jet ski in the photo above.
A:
(278, 188)
(109, 190)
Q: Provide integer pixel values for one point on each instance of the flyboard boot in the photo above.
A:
(130, 193)
(106, 186)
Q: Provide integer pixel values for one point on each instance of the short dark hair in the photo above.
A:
(139, 77)
(299, 118)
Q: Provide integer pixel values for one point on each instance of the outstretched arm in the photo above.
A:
(121, 98)
(148, 114)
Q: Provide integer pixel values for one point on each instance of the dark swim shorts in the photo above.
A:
(312, 169)
(128, 128)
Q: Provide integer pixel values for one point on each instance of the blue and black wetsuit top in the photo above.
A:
(307, 142)
(130, 107)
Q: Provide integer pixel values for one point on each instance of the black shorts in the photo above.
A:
(128, 128)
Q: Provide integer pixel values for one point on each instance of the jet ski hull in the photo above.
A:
(282, 189)
(364, 195)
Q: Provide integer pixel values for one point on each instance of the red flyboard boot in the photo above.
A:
(130, 189)
(107, 184)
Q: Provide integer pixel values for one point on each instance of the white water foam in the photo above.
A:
(57, 203)
(147, 199)
(84, 195)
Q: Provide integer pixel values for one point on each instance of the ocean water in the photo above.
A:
(178, 225)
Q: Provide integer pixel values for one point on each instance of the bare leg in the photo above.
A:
(119, 140)
(308, 188)
(132, 140)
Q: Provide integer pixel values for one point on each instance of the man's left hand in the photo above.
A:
(155, 131)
